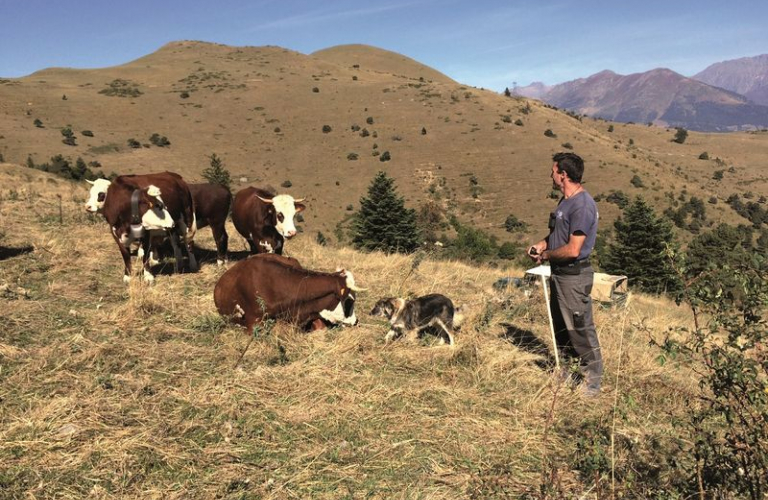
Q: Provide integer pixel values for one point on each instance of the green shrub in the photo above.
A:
(549, 133)
(704, 156)
(680, 135)
(216, 173)
(327, 129)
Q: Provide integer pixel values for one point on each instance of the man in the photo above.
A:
(572, 233)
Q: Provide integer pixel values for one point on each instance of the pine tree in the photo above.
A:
(639, 249)
(217, 174)
(383, 222)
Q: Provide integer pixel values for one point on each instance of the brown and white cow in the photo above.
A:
(114, 200)
(271, 286)
(212, 202)
(265, 220)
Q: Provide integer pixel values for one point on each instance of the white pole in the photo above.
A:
(551, 323)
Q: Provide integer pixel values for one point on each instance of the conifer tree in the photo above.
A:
(639, 249)
(383, 222)
(217, 174)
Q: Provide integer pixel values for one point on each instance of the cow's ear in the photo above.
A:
(299, 207)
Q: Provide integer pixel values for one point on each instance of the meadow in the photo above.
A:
(138, 391)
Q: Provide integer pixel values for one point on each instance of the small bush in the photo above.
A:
(718, 175)
(355, 127)
(38, 123)
(704, 156)
(680, 135)
(385, 156)
(350, 207)
(566, 145)
(286, 184)
(610, 128)
(321, 239)
(637, 181)
(159, 140)
(369, 120)
(519, 122)
(184, 95)
(327, 129)
(87, 133)
(423, 131)
(133, 143)
(352, 156)
(506, 119)
(549, 133)
(315, 90)
(364, 133)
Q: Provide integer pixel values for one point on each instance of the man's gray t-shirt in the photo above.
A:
(575, 215)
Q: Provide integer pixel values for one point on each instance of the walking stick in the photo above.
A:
(545, 272)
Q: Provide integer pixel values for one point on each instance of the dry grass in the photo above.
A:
(110, 391)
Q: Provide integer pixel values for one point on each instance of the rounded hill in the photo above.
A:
(380, 60)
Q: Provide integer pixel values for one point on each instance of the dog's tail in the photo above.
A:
(458, 317)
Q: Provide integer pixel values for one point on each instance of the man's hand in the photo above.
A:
(535, 251)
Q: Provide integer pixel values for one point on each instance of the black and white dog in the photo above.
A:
(413, 316)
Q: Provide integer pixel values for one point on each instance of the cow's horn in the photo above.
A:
(299, 200)
(90, 182)
(264, 200)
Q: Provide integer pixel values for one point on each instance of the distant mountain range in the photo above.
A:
(726, 96)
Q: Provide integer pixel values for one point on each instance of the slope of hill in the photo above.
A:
(143, 391)
(366, 58)
(747, 76)
(659, 96)
(276, 116)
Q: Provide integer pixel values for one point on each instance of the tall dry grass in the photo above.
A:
(114, 391)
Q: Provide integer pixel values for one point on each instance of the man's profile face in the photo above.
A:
(557, 178)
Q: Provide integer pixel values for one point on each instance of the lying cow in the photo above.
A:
(265, 220)
(116, 200)
(212, 202)
(417, 315)
(272, 286)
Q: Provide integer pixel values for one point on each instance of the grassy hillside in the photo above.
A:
(264, 110)
(110, 391)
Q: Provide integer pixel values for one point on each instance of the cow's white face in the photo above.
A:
(97, 196)
(285, 209)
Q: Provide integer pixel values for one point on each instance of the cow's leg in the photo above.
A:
(186, 236)
(222, 240)
(144, 254)
(254, 247)
(124, 246)
(174, 237)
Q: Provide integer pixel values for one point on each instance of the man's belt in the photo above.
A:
(574, 267)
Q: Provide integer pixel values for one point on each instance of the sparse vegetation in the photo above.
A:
(121, 88)
(158, 140)
(216, 173)
(549, 133)
(680, 135)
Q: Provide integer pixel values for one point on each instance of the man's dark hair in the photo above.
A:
(571, 164)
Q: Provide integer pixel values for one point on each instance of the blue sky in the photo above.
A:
(489, 44)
